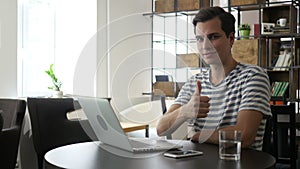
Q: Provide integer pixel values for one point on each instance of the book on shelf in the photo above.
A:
(283, 62)
(281, 30)
(279, 62)
(283, 89)
(287, 61)
(278, 89)
(275, 88)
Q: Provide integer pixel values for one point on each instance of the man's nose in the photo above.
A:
(205, 43)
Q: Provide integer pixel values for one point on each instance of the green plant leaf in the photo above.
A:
(56, 83)
(244, 26)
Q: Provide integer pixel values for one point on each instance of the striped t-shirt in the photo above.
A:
(245, 88)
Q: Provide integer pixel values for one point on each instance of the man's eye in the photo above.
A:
(213, 37)
(200, 38)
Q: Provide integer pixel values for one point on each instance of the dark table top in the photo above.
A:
(92, 155)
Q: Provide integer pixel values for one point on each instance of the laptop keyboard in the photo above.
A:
(150, 143)
(139, 144)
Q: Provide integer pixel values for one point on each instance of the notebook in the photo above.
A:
(108, 129)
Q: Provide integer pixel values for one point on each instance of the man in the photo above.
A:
(229, 96)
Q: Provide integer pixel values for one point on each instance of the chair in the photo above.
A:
(284, 134)
(143, 113)
(162, 99)
(51, 128)
(267, 141)
(144, 110)
(13, 111)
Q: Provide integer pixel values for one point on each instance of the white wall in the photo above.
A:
(127, 49)
(114, 45)
(74, 30)
(250, 17)
(8, 48)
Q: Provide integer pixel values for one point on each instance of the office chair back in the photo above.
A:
(51, 128)
(162, 99)
(267, 141)
(13, 111)
(284, 134)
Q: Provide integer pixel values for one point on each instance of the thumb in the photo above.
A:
(198, 88)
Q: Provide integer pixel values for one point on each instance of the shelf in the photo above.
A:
(270, 69)
(251, 37)
(277, 35)
(250, 7)
(175, 41)
(272, 13)
(169, 6)
(258, 6)
(173, 14)
(260, 49)
(276, 98)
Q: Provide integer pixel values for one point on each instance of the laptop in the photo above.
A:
(109, 131)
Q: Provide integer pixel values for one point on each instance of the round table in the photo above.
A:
(92, 155)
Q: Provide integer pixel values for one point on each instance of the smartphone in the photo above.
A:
(182, 153)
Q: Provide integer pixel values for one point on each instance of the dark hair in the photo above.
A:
(227, 19)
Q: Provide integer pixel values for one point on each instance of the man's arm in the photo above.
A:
(170, 121)
(248, 122)
(197, 107)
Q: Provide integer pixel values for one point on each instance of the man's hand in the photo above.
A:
(198, 106)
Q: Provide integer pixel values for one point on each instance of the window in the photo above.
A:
(52, 31)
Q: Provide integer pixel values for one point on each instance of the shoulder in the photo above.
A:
(248, 71)
(248, 68)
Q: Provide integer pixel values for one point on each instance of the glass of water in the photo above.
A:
(230, 144)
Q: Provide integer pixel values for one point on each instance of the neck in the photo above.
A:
(219, 72)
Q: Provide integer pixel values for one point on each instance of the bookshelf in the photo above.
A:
(174, 49)
(277, 51)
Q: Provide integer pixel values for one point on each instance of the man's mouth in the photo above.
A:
(209, 53)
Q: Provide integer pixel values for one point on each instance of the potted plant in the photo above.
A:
(244, 30)
(56, 83)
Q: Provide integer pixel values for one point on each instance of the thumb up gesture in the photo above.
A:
(198, 106)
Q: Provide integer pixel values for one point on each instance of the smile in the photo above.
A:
(209, 53)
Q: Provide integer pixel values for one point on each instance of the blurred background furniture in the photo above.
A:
(13, 111)
(149, 112)
(285, 149)
(1, 120)
(267, 141)
(52, 129)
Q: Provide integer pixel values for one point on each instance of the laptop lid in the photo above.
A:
(108, 129)
(105, 122)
